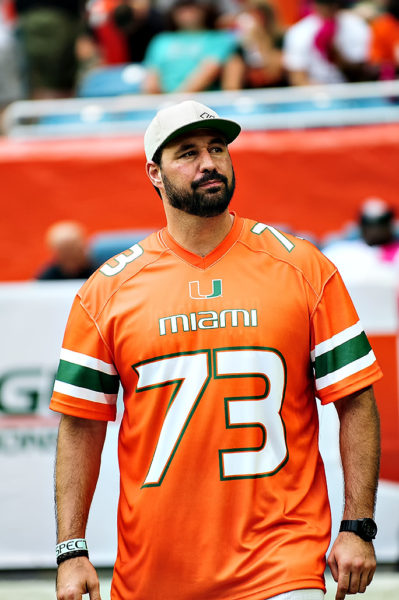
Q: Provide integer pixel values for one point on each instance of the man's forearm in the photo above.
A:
(360, 452)
(79, 447)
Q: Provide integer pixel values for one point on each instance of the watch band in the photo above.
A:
(364, 528)
(352, 526)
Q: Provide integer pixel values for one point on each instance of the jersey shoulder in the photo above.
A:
(113, 274)
(298, 253)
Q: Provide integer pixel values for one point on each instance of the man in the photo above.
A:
(212, 327)
(193, 55)
(11, 87)
(371, 247)
(384, 50)
(377, 224)
(47, 31)
(71, 257)
(330, 45)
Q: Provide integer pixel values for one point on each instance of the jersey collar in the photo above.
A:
(203, 262)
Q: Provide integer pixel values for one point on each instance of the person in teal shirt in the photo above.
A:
(190, 58)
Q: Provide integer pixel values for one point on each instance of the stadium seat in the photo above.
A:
(104, 245)
(112, 81)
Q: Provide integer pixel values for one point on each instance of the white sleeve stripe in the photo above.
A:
(259, 228)
(84, 393)
(87, 361)
(281, 238)
(337, 340)
(346, 371)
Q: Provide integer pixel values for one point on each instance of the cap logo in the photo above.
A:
(206, 115)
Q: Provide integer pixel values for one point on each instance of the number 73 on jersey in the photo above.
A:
(190, 373)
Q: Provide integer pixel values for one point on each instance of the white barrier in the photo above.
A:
(32, 321)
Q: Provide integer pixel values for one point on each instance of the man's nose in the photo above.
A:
(206, 161)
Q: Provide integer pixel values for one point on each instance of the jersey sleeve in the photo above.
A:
(342, 358)
(87, 381)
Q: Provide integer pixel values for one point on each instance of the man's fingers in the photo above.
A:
(351, 580)
(69, 592)
(93, 587)
(363, 582)
(355, 577)
(77, 578)
(344, 580)
(371, 574)
(333, 567)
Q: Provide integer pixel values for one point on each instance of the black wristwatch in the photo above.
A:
(364, 528)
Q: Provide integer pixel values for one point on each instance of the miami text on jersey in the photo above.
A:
(208, 319)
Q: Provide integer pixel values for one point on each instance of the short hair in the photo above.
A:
(157, 159)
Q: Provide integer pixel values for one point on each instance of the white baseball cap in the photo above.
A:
(171, 122)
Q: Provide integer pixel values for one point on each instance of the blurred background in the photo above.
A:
(315, 86)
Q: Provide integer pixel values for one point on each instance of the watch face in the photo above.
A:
(369, 528)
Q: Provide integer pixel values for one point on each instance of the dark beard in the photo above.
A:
(198, 202)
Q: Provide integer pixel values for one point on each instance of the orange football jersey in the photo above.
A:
(223, 492)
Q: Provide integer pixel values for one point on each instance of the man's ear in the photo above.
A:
(154, 173)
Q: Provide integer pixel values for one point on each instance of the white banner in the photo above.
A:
(32, 320)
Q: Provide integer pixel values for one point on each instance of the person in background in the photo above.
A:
(47, 31)
(330, 45)
(138, 21)
(117, 32)
(384, 51)
(377, 225)
(260, 63)
(11, 87)
(377, 247)
(191, 56)
(71, 257)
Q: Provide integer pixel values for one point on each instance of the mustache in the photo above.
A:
(211, 176)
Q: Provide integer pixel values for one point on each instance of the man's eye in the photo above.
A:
(217, 149)
(188, 153)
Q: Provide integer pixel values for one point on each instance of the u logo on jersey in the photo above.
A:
(195, 293)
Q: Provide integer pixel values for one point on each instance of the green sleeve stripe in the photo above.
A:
(87, 378)
(342, 355)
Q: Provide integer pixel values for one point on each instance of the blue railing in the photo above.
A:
(267, 109)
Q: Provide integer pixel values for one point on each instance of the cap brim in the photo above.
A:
(229, 129)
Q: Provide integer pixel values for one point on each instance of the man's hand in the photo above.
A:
(352, 564)
(76, 577)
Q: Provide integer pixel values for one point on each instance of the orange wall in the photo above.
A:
(307, 180)
(386, 392)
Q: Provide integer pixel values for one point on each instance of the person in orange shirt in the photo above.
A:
(221, 331)
(384, 51)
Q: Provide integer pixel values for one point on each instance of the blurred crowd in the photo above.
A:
(47, 47)
(364, 247)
